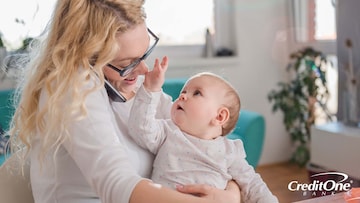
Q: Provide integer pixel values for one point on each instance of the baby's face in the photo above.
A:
(197, 104)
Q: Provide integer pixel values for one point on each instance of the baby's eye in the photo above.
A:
(197, 92)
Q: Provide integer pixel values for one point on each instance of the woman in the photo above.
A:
(65, 121)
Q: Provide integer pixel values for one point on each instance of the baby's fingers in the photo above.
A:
(165, 63)
(156, 65)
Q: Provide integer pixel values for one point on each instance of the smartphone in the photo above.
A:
(113, 93)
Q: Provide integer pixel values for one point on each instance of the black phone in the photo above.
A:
(113, 93)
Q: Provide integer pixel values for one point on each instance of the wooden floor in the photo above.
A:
(278, 176)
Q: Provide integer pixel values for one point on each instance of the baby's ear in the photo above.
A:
(222, 116)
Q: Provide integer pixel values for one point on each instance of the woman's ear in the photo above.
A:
(222, 116)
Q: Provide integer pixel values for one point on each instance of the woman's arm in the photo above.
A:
(148, 192)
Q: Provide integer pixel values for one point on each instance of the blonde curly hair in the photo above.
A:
(79, 41)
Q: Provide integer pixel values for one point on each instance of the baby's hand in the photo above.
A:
(155, 79)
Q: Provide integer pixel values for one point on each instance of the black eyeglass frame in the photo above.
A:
(129, 68)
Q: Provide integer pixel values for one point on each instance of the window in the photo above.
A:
(314, 23)
(28, 20)
(314, 20)
(181, 26)
(325, 26)
(180, 22)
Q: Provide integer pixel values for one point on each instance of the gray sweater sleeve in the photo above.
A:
(252, 187)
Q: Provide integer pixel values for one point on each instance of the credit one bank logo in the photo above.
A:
(319, 187)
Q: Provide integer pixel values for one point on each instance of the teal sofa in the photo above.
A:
(6, 112)
(250, 127)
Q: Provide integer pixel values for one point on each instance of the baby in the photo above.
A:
(191, 147)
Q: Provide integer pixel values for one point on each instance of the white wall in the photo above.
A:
(262, 27)
(262, 46)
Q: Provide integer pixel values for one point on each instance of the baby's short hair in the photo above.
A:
(232, 101)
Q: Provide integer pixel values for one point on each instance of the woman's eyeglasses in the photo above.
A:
(128, 69)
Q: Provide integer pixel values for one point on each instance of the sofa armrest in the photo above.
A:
(250, 129)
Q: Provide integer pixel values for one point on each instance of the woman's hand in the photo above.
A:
(155, 79)
(230, 195)
(233, 189)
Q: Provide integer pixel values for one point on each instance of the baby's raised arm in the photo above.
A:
(155, 79)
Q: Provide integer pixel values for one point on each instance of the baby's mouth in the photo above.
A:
(179, 108)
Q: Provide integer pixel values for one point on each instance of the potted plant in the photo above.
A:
(298, 98)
